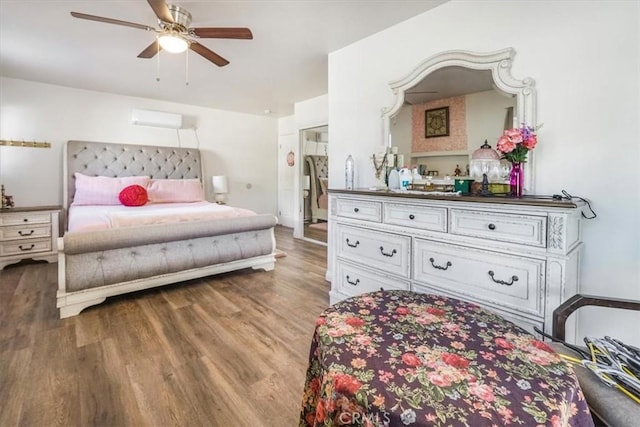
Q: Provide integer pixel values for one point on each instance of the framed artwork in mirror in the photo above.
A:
(436, 122)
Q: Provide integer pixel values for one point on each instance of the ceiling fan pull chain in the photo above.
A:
(158, 62)
(186, 70)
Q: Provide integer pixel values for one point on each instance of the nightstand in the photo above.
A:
(28, 233)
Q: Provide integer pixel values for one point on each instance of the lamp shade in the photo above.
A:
(219, 184)
(173, 42)
(485, 160)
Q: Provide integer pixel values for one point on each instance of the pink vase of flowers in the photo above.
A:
(514, 145)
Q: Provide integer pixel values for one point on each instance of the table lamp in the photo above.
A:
(485, 164)
(219, 188)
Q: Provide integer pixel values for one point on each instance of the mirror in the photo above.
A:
(481, 99)
(315, 181)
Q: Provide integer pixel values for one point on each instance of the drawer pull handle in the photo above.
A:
(412, 216)
(25, 234)
(439, 267)
(356, 210)
(26, 249)
(492, 226)
(502, 282)
(353, 245)
(393, 252)
(353, 283)
(25, 220)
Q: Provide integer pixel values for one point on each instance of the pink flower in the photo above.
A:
(514, 135)
(435, 311)
(505, 145)
(402, 310)
(438, 379)
(483, 391)
(411, 360)
(530, 143)
(335, 333)
(346, 384)
(542, 346)
(363, 340)
(355, 322)
(501, 342)
(455, 360)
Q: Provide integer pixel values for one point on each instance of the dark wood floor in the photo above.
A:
(228, 350)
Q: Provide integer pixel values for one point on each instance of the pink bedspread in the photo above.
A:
(92, 218)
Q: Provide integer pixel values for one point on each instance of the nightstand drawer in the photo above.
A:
(25, 247)
(421, 217)
(359, 209)
(527, 230)
(22, 218)
(384, 251)
(354, 280)
(19, 232)
(511, 281)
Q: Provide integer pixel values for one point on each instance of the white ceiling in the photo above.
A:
(286, 61)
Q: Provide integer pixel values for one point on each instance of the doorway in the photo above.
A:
(314, 180)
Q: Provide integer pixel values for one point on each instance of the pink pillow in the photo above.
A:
(175, 191)
(103, 190)
(133, 195)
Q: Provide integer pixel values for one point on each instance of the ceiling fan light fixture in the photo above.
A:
(173, 42)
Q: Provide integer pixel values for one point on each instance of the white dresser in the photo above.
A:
(517, 257)
(29, 232)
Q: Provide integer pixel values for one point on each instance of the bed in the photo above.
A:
(396, 358)
(318, 168)
(110, 249)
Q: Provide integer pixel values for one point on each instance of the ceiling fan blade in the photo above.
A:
(111, 21)
(208, 54)
(223, 33)
(151, 50)
(161, 10)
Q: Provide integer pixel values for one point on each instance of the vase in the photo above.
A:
(516, 180)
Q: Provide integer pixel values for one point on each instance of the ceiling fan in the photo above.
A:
(174, 34)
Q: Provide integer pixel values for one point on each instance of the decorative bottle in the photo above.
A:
(349, 173)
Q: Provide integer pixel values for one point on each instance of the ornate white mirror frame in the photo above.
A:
(499, 63)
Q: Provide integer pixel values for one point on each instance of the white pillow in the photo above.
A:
(103, 190)
(175, 191)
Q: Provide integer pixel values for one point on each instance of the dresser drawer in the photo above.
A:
(503, 280)
(421, 217)
(384, 251)
(17, 232)
(354, 280)
(24, 247)
(359, 209)
(521, 321)
(21, 218)
(527, 230)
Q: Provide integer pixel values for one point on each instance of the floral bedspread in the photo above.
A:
(399, 358)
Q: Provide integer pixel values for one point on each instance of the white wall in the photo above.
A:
(287, 141)
(584, 56)
(241, 146)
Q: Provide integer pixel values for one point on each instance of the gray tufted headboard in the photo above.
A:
(116, 160)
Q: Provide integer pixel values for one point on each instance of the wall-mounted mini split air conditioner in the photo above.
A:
(156, 119)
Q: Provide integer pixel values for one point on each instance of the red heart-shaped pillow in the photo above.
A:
(133, 195)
